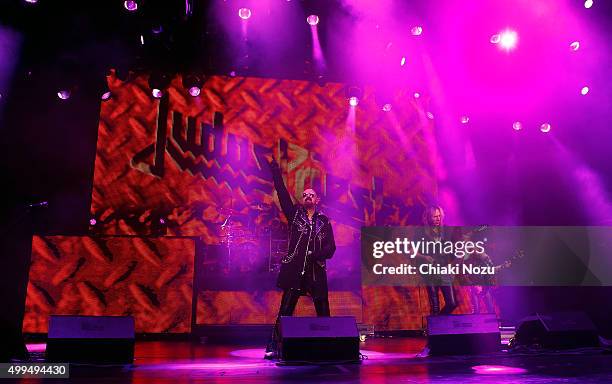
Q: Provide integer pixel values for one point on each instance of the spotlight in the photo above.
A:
(417, 95)
(495, 38)
(92, 221)
(64, 94)
(158, 82)
(545, 127)
(465, 119)
(244, 13)
(106, 96)
(130, 5)
(312, 20)
(193, 84)
(403, 61)
(584, 91)
(508, 39)
(416, 30)
(387, 107)
(31, 1)
(430, 115)
(588, 4)
(517, 126)
(354, 94)
(575, 45)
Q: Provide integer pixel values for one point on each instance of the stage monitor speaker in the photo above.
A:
(560, 330)
(91, 339)
(317, 339)
(463, 334)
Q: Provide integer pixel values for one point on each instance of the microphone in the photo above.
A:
(39, 204)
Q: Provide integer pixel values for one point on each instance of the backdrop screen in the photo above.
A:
(195, 166)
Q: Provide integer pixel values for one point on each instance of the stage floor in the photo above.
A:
(390, 360)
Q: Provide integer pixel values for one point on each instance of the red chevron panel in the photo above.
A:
(150, 279)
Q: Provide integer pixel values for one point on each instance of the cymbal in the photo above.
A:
(229, 212)
(260, 206)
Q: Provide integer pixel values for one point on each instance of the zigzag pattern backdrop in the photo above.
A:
(150, 279)
(182, 165)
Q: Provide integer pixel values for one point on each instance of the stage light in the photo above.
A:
(312, 20)
(584, 91)
(465, 119)
(588, 4)
(417, 95)
(92, 222)
(387, 107)
(158, 81)
(31, 1)
(130, 5)
(575, 45)
(416, 30)
(430, 115)
(64, 94)
(157, 93)
(403, 61)
(244, 13)
(193, 84)
(517, 126)
(545, 127)
(106, 96)
(354, 94)
(508, 39)
(495, 38)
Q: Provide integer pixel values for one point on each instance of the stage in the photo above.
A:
(387, 360)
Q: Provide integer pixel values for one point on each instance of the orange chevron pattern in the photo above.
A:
(150, 279)
(199, 171)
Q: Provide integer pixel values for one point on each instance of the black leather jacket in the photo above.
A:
(309, 245)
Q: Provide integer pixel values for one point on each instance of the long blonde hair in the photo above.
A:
(428, 211)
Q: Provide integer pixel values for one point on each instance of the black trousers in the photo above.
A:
(287, 307)
(434, 301)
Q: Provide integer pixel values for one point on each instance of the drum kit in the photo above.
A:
(252, 241)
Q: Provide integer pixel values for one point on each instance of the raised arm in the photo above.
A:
(284, 197)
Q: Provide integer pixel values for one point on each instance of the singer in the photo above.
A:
(311, 243)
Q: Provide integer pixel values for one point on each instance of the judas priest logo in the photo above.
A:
(208, 150)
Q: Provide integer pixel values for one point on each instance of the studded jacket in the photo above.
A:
(310, 245)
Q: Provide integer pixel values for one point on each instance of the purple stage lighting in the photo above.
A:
(312, 20)
(517, 126)
(403, 61)
(63, 94)
(244, 13)
(417, 95)
(353, 101)
(584, 91)
(106, 96)
(194, 91)
(157, 93)
(387, 107)
(130, 5)
(575, 45)
(92, 222)
(495, 38)
(465, 119)
(416, 30)
(31, 1)
(545, 127)
(508, 39)
(430, 115)
(588, 4)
